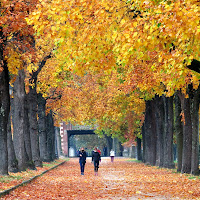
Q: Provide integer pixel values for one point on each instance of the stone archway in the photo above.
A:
(67, 130)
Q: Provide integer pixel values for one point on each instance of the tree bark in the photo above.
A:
(27, 137)
(159, 112)
(50, 136)
(32, 102)
(187, 135)
(168, 133)
(150, 133)
(18, 120)
(179, 132)
(58, 142)
(4, 108)
(44, 154)
(143, 144)
(139, 148)
(109, 143)
(195, 132)
(12, 160)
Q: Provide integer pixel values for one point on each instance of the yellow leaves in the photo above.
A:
(95, 36)
(15, 61)
(123, 21)
(53, 28)
(114, 35)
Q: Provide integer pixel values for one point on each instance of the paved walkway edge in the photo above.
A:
(5, 192)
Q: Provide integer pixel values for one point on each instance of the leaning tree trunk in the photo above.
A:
(32, 102)
(195, 133)
(12, 160)
(187, 135)
(18, 119)
(179, 132)
(168, 133)
(159, 112)
(44, 153)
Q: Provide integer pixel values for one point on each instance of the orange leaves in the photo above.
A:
(119, 180)
(13, 179)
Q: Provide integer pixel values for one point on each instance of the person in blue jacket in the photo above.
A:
(82, 159)
(96, 157)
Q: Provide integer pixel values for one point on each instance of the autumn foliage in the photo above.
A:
(110, 56)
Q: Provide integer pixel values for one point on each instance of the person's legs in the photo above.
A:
(83, 168)
(96, 167)
(82, 165)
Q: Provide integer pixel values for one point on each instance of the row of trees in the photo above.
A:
(170, 120)
(117, 64)
(27, 133)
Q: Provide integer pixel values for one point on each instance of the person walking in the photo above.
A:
(99, 150)
(112, 155)
(96, 157)
(82, 159)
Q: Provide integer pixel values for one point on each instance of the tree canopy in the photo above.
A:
(108, 57)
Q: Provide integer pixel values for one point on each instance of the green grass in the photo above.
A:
(52, 164)
(9, 178)
(192, 177)
(134, 160)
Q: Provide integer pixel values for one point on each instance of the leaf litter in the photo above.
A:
(121, 180)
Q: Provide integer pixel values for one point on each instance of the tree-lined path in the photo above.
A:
(119, 180)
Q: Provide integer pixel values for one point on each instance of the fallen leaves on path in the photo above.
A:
(13, 179)
(119, 180)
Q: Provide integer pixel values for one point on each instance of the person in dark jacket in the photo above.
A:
(96, 157)
(82, 159)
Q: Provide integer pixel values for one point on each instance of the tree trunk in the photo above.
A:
(139, 149)
(187, 135)
(143, 144)
(18, 120)
(44, 154)
(168, 133)
(179, 132)
(159, 112)
(195, 133)
(50, 136)
(109, 143)
(4, 108)
(12, 160)
(58, 142)
(120, 149)
(150, 133)
(32, 102)
(27, 137)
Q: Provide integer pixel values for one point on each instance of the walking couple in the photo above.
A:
(96, 158)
